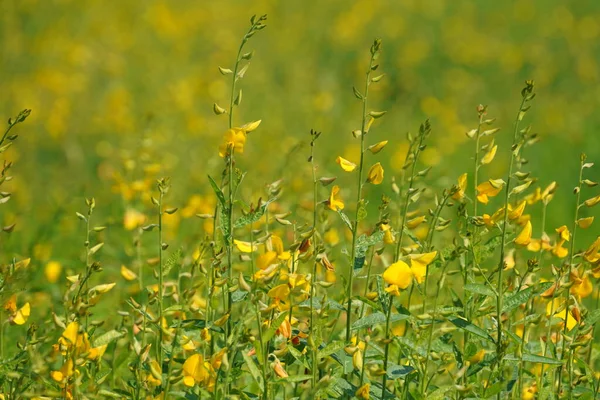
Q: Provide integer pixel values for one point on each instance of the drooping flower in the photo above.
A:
(335, 203)
(462, 186)
(489, 189)
(346, 165)
(419, 263)
(592, 254)
(375, 174)
(524, 238)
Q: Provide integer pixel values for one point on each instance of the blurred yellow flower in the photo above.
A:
(133, 219)
(128, 274)
(375, 174)
(52, 271)
(462, 186)
(335, 203)
(524, 238)
(346, 165)
(489, 189)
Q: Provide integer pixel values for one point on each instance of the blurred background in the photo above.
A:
(122, 93)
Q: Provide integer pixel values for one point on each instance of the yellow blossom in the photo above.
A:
(419, 263)
(462, 186)
(335, 203)
(363, 391)
(52, 271)
(585, 223)
(196, 371)
(489, 189)
(133, 219)
(127, 274)
(244, 247)
(377, 147)
(375, 174)
(489, 156)
(346, 165)
(413, 223)
(399, 274)
(564, 233)
(234, 139)
(517, 211)
(524, 238)
(582, 286)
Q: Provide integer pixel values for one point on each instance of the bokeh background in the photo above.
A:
(122, 92)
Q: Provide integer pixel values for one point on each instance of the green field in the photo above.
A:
(172, 228)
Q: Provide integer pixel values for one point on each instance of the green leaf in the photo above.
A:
(465, 325)
(515, 300)
(107, 338)
(345, 218)
(173, 259)
(592, 317)
(479, 289)
(440, 393)
(253, 216)
(253, 370)
(364, 242)
(532, 358)
(377, 318)
(218, 192)
(331, 348)
(269, 333)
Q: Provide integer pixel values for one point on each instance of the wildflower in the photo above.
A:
(585, 223)
(17, 316)
(399, 275)
(52, 271)
(419, 263)
(489, 156)
(489, 189)
(375, 174)
(133, 219)
(552, 310)
(534, 197)
(582, 286)
(462, 186)
(377, 147)
(363, 391)
(592, 202)
(277, 246)
(244, 247)
(524, 238)
(346, 165)
(234, 139)
(517, 211)
(196, 371)
(388, 235)
(592, 254)
(128, 274)
(413, 223)
(564, 233)
(335, 203)
(279, 370)
(267, 259)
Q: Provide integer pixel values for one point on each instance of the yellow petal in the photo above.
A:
(250, 126)
(22, 314)
(563, 232)
(335, 203)
(377, 147)
(489, 156)
(280, 292)
(375, 174)
(52, 271)
(413, 223)
(244, 247)
(70, 332)
(104, 288)
(585, 223)
(128, 274)
(518, 211)
(399, 274)
(524, 238)
(346, 165)
(462, 186)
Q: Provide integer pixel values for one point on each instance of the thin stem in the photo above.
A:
(313, 289)
(567, 291)
(160, 280)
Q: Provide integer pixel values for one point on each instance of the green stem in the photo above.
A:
(567, 291)
(313, 289)
(159, 348)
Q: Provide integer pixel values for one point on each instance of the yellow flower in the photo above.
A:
(413, 223)
(127, 274)
(234, 139)
(277, 245)
(462, 186)
(518, 211)
(592, 254)
(377, 147)
(20, 317)
(375, 174)
(52, 271)
(564, 233)
(133, 219)
(346, 165)
(419, 263)
(552, 309)
(267, 259)
(388, 236)
(593, 201)
(585, 223)
(335, 202)
(534, 197)
(244, 247)
(582, 287)
(280, 292)
(524, 238)
(489, 156)
(196, 370)
(399, 274)
(559, 251)
(363, 391)
(489, 189)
